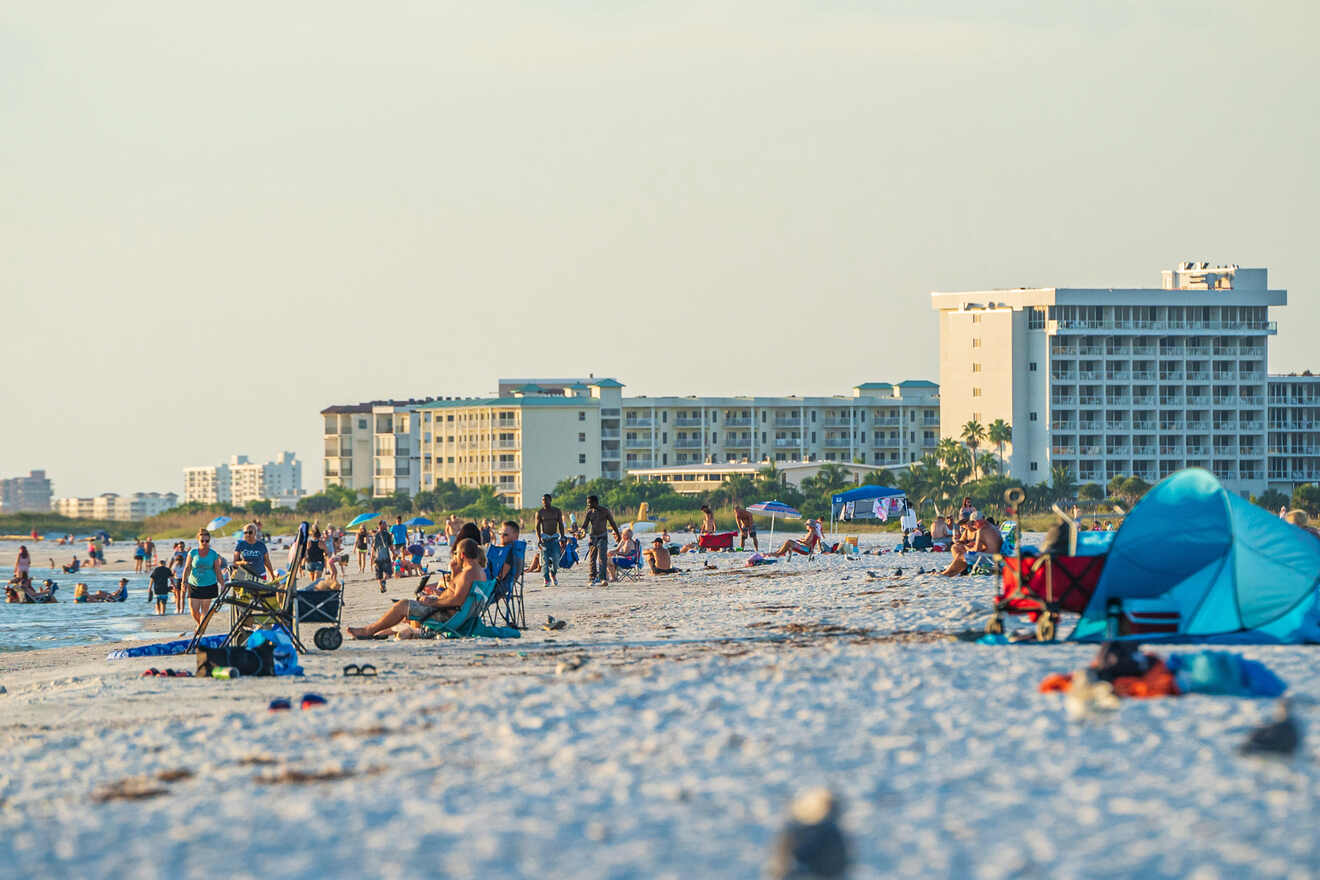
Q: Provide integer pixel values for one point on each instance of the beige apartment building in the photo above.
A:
(113, 506)
(1110, 381)
(535, 432)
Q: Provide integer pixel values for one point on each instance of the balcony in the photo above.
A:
(1091, 400)
(1090, 374)
(1251, 425)
(638, 442)
(609, 433)
(1121, 376)
(505, 444)
(890, 423)
(688, 422)
(506, 466)
(837, 443)
(1063, 426)
(739, 422)
(836, 423)
(787, 423)
(1143, 375)
(1146, 451)
(688, 443)
(629, 424)
(1090, 450)
(639, 463)
(787, 443)
(1063, 450)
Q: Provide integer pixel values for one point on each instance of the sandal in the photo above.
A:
(353, 669)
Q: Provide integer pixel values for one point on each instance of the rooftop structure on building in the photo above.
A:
(1117, 381)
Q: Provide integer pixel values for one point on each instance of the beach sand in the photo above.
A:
(662, 734)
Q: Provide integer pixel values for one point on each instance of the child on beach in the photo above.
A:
(161, 586)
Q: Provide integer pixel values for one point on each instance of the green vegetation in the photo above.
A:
(55, 525)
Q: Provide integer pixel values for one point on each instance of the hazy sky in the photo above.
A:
(220, 218)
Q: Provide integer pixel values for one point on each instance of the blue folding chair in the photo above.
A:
(506, 598)
(629, 567)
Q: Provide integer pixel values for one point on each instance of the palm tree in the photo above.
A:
(972, 434)
(1061, 478)
(987, 462)
(1000, 432)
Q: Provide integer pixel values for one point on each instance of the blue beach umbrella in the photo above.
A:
(773, 509)
(418, 521)
(360, 519)
(218, 523)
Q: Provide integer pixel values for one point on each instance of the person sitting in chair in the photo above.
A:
(658, 559)
(467, 566)
(624, 552)
(804, 546)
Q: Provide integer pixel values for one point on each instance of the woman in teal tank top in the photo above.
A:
(204, 575)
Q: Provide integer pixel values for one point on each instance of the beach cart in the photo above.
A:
(1042, 587)
(717, 541)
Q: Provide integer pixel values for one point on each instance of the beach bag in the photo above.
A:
(259, 660)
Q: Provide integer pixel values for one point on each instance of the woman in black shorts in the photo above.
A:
(204, 575)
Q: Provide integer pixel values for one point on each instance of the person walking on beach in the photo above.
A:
(251, 555)
(151, 552)
(399, 536)
(139, 556)
(596, 520)
(746, 527)
(204, 574)
(549, 532)
(362, 544)
(381, 548)
(176, 569)
(160, 578)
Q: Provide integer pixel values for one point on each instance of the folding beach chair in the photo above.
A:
(466, 618)
(506, 599)
(629, 567)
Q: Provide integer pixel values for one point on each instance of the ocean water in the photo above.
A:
(24, 627)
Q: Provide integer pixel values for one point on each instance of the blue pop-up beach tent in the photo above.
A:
(863, 500)
(1211, 565)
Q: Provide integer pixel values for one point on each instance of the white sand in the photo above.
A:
(705, 703)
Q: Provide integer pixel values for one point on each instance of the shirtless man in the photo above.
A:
(975, 540)
(707, 520)
(657, 557)
(804, 546)
(746, 527)
(550, 532)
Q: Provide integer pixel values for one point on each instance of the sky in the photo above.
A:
(219, 219)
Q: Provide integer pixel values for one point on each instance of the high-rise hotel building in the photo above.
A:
(1130, 381)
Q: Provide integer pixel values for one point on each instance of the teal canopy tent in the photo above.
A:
(1206, 566)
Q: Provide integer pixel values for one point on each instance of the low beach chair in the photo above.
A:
(506, 600)
(629, 567)
(850, 545)
(466, 618)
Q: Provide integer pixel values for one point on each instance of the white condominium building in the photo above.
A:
(1294, 431)
(111, 505)
(372, 447)
(535, 432)
(1110, 381)
(243, 481)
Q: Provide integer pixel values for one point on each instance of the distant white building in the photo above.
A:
(111, 505)
(243, 481)
(25, 493)
(693, 479)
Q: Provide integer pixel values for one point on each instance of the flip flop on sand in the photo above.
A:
(552, 624)
(353, 669)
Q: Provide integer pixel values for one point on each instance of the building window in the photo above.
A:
(582, 458)
(976, 368)
(976, 392)
(1031, 367)
(664, 436)
(976, 319)
(362, 424)
(582, 437)
(976, 342)
(582, 416)
(664, 416)
(1036, 320)
(1031, 417)
(1033, 466)
(976, 416)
